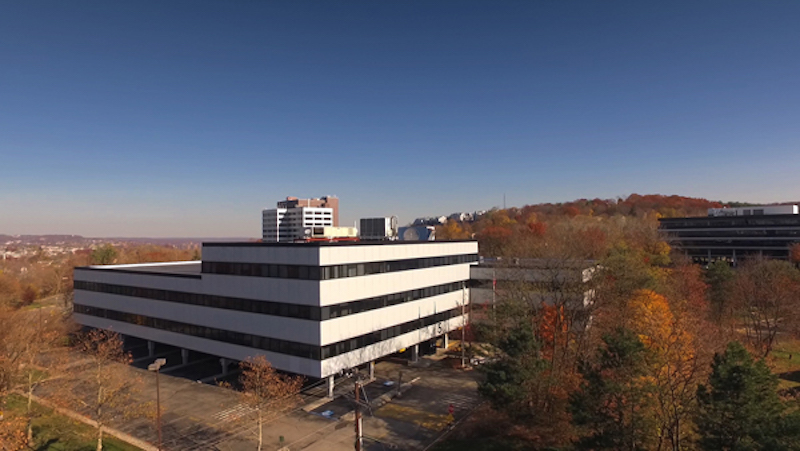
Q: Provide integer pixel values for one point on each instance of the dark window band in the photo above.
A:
(270, 307)
(310, 272)
(272, 344)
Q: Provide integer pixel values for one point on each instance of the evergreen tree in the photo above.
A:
(740, 410)
(612, 408)
(507, 381)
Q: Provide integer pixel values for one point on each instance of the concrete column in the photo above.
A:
(185, 356)
(224, 362)
(330, 386)
(446, 340)
(151, 348)
(372, 370)
(415, 353)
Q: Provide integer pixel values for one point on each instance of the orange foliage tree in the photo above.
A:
(674, 364)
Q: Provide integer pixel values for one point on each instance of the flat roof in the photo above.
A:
(534, 263)
(731, 218)
(329, 243)
(179, 269)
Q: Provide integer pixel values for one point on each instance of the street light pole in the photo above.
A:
(359, 432)
(155, 366)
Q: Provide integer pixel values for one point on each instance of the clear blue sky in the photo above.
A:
(187, 118)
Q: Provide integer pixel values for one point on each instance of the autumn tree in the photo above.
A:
(673, 364)
(452, 230)
(739, 408)
(104, 255)
(765, 294)
(10, 289)
(719, 277)
(107, 386)
(29, 294)
(794, 254)
(266, 391)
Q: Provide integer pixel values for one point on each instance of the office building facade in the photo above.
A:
(314, 309)
(731, 234)
(536, 281)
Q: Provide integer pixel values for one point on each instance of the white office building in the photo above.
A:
(288, 224)
(311, 308)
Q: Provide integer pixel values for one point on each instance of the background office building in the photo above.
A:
(289, 224)
(534, 282)
(311, 308)
(331, 202)
(731, 234)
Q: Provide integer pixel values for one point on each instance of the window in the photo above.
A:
(270, 307)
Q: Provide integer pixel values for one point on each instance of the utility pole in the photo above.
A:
(463, 328)
(359, 435)
(156, 366)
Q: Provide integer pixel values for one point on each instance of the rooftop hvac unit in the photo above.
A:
(378, 228)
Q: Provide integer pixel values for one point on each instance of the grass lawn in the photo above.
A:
(785, 361)
(55, 432)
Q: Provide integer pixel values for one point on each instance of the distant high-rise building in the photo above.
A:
(331, 202)
(294, 216)
(289, 224)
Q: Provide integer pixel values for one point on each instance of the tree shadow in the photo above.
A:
(792, 376)
(46, 445)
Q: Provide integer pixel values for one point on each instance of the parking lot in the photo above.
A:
(203, 416)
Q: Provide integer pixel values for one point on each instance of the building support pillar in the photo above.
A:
(330, 386)
(151, 348)
(372, 370)
(185, 356)
(224, 363)
(415, 353)
(445, 341)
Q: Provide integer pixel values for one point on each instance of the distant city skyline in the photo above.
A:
(186, 119)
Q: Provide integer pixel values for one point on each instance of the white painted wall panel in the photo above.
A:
(338, 329)
(347, 289)
(162, 282)
(293, 329)
(297, 254)
(303, 292)
(361, 356)
(339, 255)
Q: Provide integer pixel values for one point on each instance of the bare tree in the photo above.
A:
(266, 391)
(12, 351)
(765, 294)
(107, 385)
(43, 333)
